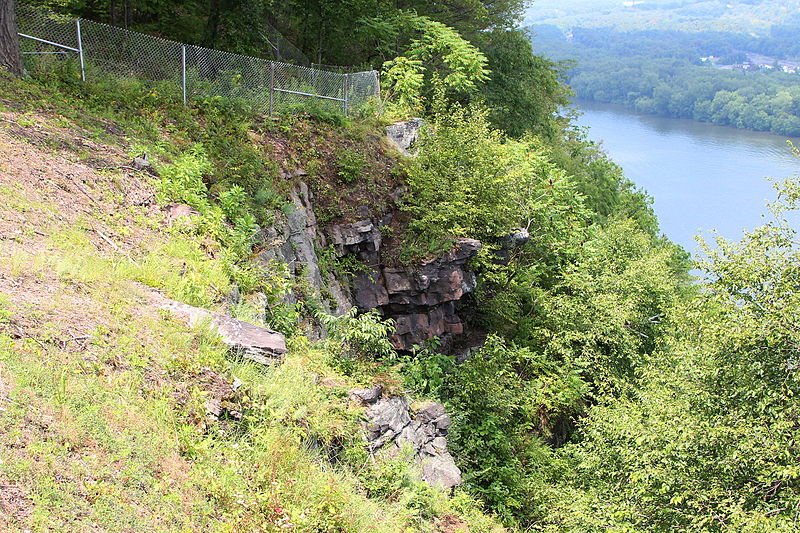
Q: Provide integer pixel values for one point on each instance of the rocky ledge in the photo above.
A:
(420, 298)
(247, 340)
(390, 425)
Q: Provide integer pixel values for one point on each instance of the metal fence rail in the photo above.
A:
(271, 86)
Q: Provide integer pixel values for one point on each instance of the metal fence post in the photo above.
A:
(344, 95)
(80, 48)
(183, 73)
(377, 76)
(271, 85)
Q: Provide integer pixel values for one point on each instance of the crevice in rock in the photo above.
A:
(420, 298)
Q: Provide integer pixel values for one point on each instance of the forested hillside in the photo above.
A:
(483, 330)
(746, 79)
(747, 16)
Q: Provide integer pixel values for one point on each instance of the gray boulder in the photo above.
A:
(441, 471)
(247, 340)
(368, 396)
(390, 425)
(403, 135)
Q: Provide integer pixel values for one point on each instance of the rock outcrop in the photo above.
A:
(247, 340)
(292, 240)
(403, 135)
(392, 425)
(420, 298)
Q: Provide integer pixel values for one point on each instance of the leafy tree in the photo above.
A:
(436, 53)
(470, 17)
(581, 332)
(524, 92)
(472, 181)
(501, 399)
(708, 439)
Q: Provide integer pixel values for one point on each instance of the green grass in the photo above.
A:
(104, 424)
(116, 437)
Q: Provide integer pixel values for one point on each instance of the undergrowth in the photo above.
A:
(106, 422)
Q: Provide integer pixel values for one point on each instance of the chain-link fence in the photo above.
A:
(198, 72)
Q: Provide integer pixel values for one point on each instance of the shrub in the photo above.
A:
(350, 165)
(471, 181)
(364, 335)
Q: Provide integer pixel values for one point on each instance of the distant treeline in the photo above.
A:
(661, 72)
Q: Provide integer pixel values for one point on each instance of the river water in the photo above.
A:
(702, 177)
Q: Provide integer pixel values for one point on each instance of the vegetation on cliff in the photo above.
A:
(597, 387)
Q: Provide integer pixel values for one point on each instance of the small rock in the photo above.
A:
(391, 414)
(252, 342)
(429, 411)
(403, 135)
(176, 211)
(397, 194)
(515, 239)
(440, 444)
(441, 471)
(213, 407)
(371, 395)
(296, 173)
(443, 423)
(142, 162)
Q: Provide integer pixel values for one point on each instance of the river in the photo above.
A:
(702, 177)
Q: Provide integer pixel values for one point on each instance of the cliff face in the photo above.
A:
(421, 298)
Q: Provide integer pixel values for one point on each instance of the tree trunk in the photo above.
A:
(10, 57)
(212, 25)
(128, 16)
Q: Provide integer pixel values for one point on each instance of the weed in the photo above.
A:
(26, 120)
(350, 165)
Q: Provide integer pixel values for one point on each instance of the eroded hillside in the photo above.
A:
(117, 416)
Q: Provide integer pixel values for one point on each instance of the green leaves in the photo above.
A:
(437, 54)
(183, 180)
(471, 181)
(363, 335)
(707, 439)
(504, 398)
(404, 79)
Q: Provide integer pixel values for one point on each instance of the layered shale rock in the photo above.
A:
(247, 340)
(422, 299)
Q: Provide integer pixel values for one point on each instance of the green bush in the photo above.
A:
(426, 368)
(350, 165)
(471, 181)
(362, 335)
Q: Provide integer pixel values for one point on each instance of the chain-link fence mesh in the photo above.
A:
(198, 72)
(50, 27)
